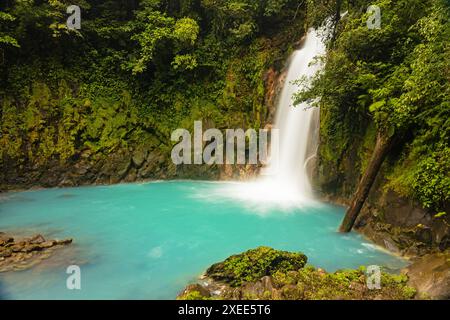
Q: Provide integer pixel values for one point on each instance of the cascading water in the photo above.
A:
(296, 124)
(285, 181)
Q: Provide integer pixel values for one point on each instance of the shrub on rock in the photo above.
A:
(254, 264)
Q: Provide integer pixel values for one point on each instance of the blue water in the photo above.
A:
(147, 241)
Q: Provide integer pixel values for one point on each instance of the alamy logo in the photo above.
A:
(374, 20)
(373, 280)
(210, 146)
(74, 20)
(73, 281)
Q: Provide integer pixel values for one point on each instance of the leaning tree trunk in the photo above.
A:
(336, 19)
(382, 148)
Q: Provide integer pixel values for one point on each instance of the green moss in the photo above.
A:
(367, 146)
(254, 264)
(58, 126)
(373, 82)
(55, 111)
(193, 295)
(241, 276)
(423, 176)
(312, 284)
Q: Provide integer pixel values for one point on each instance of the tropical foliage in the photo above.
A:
(395, 79)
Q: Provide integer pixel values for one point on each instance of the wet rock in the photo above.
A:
(5, 252)
(139, 157)
(48, 244)
(391, 246)
(23, 254)
(262, 288)
(63, 242)
(424, 234)
(430, 275)
(197, 289)
(152, 165)
(403, 212)
(37, 239)
(82, 168)
(17, 247)
(31, 247)
(116, 167)
(131, 176)
(273, 83)
(4, 239)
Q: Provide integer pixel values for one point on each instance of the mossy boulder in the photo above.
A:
(254, 264)
(268, 274)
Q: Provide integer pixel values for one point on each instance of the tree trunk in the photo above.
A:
(382, 148)
(336, 19)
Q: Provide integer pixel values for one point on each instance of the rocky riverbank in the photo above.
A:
(20, 254)
(430, 275)
(268, 274)
(400, 225)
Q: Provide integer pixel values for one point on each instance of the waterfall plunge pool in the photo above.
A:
(147, 241)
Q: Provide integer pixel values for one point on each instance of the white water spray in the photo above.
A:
(296, 124)
(287, 183)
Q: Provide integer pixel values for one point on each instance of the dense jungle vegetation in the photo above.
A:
(134, 72)
(137, 69)
(390, 86)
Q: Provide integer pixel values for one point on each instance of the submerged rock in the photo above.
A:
(25, 253)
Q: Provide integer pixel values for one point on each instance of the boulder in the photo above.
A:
(31, 247)
(254, 264)
(23, 254)
(430, 275)
(139, 157)
(37, 239)
(194, 290)
(259, 288)
(152, 165)
(4, 239)
(5, 252)
(48, 244)
(63, 242)
(116, 166)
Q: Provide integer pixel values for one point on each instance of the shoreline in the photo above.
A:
(18, 253)
(411, 261)
(323, 199)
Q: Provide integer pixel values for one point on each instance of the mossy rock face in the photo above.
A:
(254, 264)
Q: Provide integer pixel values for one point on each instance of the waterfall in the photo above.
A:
(297, 125)
(285, 181)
